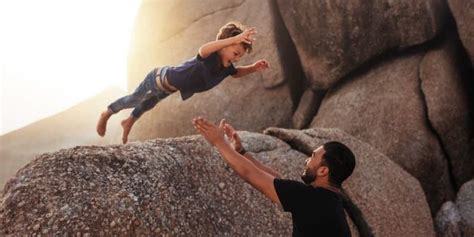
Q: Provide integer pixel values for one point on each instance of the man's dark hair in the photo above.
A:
(340, 160)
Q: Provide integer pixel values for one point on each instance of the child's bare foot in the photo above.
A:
(127, 126)
(102, 124)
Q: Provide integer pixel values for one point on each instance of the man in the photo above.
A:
(316, 206)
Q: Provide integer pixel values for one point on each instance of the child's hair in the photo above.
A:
(232, 29)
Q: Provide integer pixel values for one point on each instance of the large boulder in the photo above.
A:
(463, 12)
(307, 108)
(335, 37)
(392, 201)
(181, 186)
(160, 187)
(447, 103)
(385, 108)
(168, 33)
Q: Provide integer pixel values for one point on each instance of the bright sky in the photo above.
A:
(57, 53)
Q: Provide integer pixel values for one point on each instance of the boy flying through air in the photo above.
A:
(212, 64)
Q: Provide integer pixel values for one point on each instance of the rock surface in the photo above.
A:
(335, 37)
(159, 187)
(307, 108)
(447, 103)
(463, 12)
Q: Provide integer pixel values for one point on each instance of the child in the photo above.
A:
(208, 68)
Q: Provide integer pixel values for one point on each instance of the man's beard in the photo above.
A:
(308, 177)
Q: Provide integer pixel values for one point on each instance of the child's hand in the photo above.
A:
(246, 36)
(261, 64)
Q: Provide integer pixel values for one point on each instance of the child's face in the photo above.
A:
(231, 54)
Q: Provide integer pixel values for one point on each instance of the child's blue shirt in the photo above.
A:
(198, 74)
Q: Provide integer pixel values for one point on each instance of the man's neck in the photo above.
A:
(327, 186)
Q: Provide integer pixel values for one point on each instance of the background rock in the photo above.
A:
(463, 13)
(447, 104)
(307, 108)
(385, 108)
(335, 37)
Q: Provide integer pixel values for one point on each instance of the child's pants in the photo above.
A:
(144, 98)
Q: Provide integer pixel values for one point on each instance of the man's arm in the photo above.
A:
(213, 46)
(247, 170)
(236, 144)
(261, 166)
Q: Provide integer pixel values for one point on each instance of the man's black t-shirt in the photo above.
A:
(315, 211)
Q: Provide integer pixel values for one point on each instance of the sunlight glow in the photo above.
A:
(57, 53)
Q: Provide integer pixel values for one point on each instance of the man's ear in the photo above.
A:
(323, 171)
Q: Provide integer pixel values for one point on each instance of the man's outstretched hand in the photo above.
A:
(212, 133)
(233, 137)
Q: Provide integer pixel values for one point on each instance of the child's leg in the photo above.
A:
(102, 124)
(137, 96)
(144, 106)
(127, 126)
(128, 101)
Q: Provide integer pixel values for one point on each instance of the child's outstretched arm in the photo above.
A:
(211, 47)
(257, 66)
